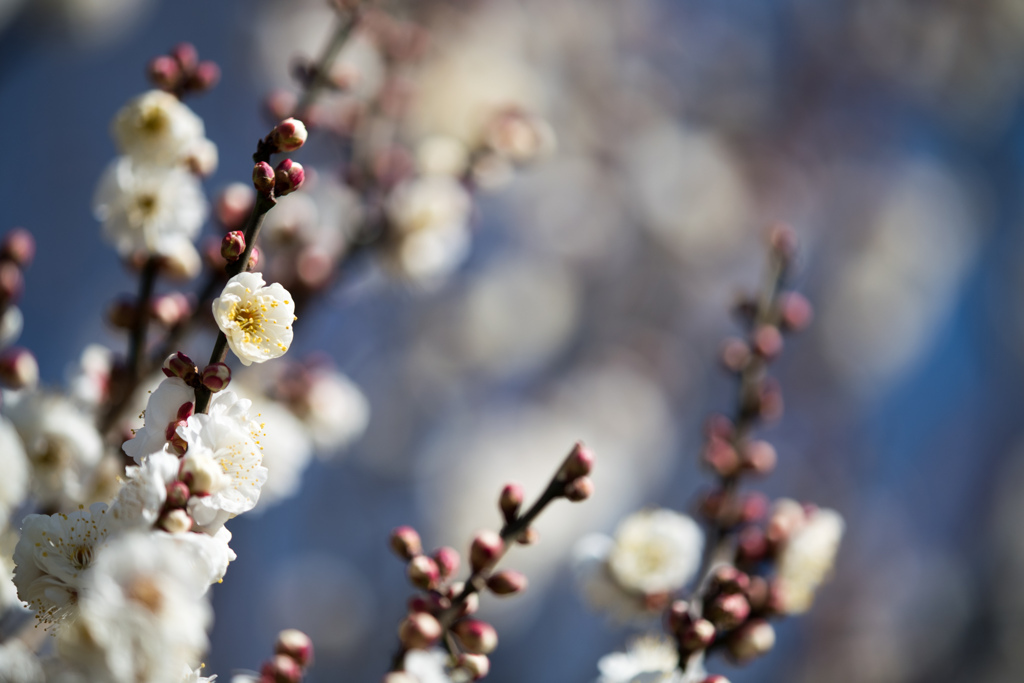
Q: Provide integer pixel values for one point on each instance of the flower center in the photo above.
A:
(154, 121)
(249, 318)
(81, 556)
(145, 592)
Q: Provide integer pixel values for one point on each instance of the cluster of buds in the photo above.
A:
(214, 377)
(288, 175)
(574, 475)
(181, 72)
(293, 655)
(18, 366)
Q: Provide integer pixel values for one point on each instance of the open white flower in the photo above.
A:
(161, 412)
(143, 616)
(18, 664)
(255, 317)
(648, 659)
(656, 551)
(14, 465)
(52, 558)
(190, 675)
(211, 555)
(335, 411)
(149, 208)
(141, 498)
(157, 128)
(807, 558)
(231, 446)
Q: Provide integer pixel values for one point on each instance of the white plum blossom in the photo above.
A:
(648, 659)
(157, 128)
(807, 558)
(155, 209)
(287, 450)
(61, 442)
(427, 666)
(18, 664)
(190, 675)
(334, 411)
(11, 323)
(161, 411)
(143, 614)
(210, 554)
(15, 468)
(141, 498)
(89, 379)
(53, 556)
(256, 318)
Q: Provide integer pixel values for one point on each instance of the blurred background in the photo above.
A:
(889, 133)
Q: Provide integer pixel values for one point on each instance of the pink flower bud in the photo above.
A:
(232, 246)
(752, 546)
(578, 463)
(263, 177)
(281, 669)
(485, 550)
(177, 494)
(760, 457)
(164, 72)
(289, 135)
(578, 490)
(423, 572)
(233, 205)
(288, 177)
(758, 593)
(169, 309)
(721, 457)
(18, 368)
(206, 76)
(18, 246)
(216, 377)
(719, 426)
(698, 635)
(768, 341)
(419, 631)
(729, 579)
(254, 259)
(715, 678)
(728, 611)
(510, 501)
(405, 542)
(750, 641)
(176, 443)
(448, 561)
(477, 637)
(753, 507)
(475, 666)
(295, 644)
(186, 56)
(12, 283)
(735, 354)
(175, 521)
(528, 536)
(507, 582)
(795, 311)
(782, 239)
(677, 616)
(179, 365)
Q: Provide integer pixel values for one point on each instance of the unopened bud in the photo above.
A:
(485, 550)
(164, 72)
(578, 490)
(169, 309)
(719, 426)
(721, 456)
(288, 177)
(578, 463)
(753, 639)
(510, 501)
(12, 283)
(186, 55)
(470, 605)
(18, 368)
(795, 311)
(176, 442)
(715, 678)
(177, 494)
(478, 637)
(175, 521)
(752, 546)
(254, 259)
(281, 669)
(419, 631)
(768, 341)
(760, 457)
(448, 561)
(735, 354)
(758, 593)
(475, 666)
(677, 616)
(423, 572)
(405, 542)
(507, 582)
(528, 536)
(729, 579)
(233, 205)
(206, 76)
(782, 239)
(216, 377)
(698, 635)
(289, 135)
(232, 246)
(263, 177)
(19, 246)
(295, 644)
(753, 507)
(179, 365)
(728, 611)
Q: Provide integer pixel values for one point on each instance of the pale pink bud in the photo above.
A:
(179, 365)
(216, 377)
(720, 455)
(423, 572)
(758, 593)
(254, 258)
(470, 605)
(186, 56)
(289, 135)
(295, 644)
(729, 579)
(169, 309)
(485, 550)
(753, 507)
(12, 282)
(419, 631)
(528, 536)
(18, 368)
(206, 76)
(175, 521)
(19, 246)
(233, 205)
(448, 561)
(288, 177)
(263, 177)
(752, 546)
(578, 490)
(477, 637)
(760, 457)
(177, 494)
(735, 354)
(579, 463)
(753, 639)
(795, 311)
(507, 582)
(406, 542)
(476, 666)
(728, 611)
(510, 501)
(164, 72)
(232, 246)
(698, 635)
(677, 617)
(768, 341)
(782, 239)
(281, 669)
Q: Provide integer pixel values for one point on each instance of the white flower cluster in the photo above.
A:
(150, 199)
(806, 558)
(654, 553)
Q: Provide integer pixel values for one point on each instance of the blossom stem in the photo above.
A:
(321, 74)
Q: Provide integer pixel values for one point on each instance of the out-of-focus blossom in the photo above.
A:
(157, 128)
(256, 318)
(18, 664)
(194, 675)
(154, 209)
(648, 659)
(11, 323)
(15, 467)
(428, 666)
(162, 411)
(806, 559)
(335, 411)
(286, 449)
(89, 378)
(142, 496)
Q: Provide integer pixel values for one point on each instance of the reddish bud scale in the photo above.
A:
(510, 501)
(288, 177)
(281, 669)
(507, 582)
(579, 463)
(295, 644)
(447, 560)
(263, 178)
(216, 377)
(477, 637)
(18, 246)
(485, 550)
(727, 612)
(177, 494)
(580, 489)
(423, 572)
(405, 542)
(419, 631)
(232, 246)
